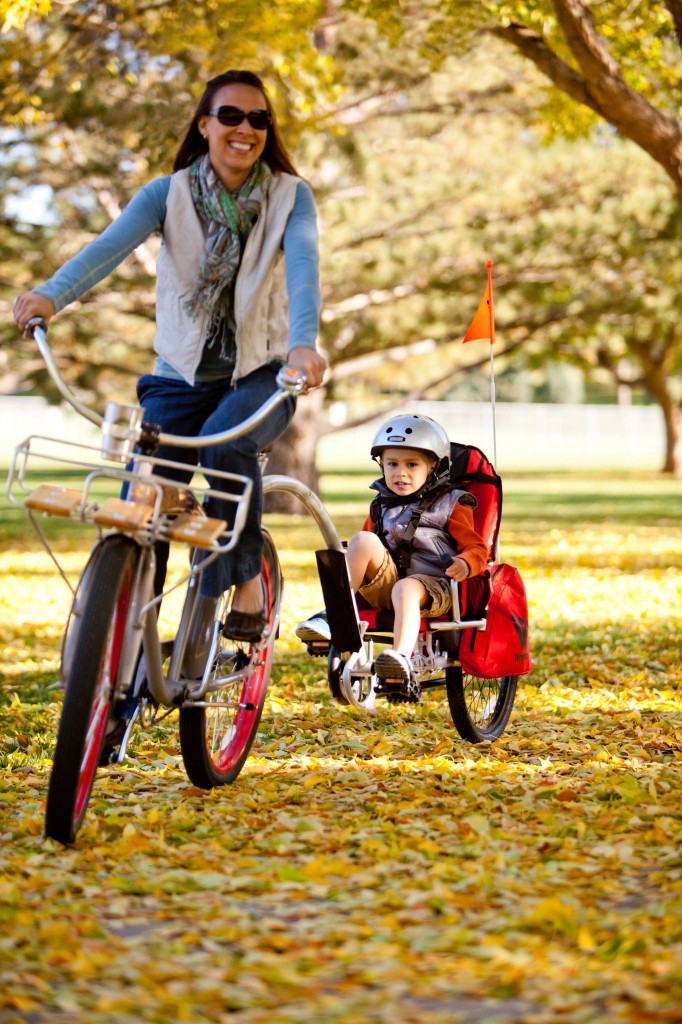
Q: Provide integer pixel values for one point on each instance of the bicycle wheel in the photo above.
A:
(215, 738)
(89, 686)
(335, 666)
(78, 606)
(480, 708)
(359, 690)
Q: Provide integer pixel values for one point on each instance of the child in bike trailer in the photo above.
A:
(418, 536)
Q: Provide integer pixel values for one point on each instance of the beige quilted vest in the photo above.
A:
(261, 307)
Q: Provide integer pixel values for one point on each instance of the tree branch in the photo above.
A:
(360, 301)
(368, 361)
(532, 46)
(675, 8)
(404, 227)
(383, 104)
(600, 85)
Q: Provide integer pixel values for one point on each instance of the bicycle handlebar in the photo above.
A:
(37, 328)
(289, 382)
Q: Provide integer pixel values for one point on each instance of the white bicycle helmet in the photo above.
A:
(420, 432)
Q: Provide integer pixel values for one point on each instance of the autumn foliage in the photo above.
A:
(377, 868)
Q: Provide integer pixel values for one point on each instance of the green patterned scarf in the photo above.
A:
(230, 217)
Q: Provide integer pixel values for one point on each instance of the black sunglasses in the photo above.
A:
(232, 116)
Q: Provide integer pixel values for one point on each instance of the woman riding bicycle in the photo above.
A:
(237, 295)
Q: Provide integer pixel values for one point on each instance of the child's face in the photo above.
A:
(405, 469)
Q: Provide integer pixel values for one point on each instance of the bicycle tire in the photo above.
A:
(215, 741)
(89, 688)
(76, 611)
(335, 666)
(480, 708)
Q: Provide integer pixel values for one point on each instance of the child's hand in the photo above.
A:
(458, 570)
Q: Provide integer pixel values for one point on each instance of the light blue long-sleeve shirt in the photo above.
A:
(145, 214)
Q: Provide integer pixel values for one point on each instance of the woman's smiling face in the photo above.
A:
(234, 151)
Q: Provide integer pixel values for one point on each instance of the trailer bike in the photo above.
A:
(476, 652)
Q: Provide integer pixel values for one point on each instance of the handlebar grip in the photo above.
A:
(291, 379)
(36, 322)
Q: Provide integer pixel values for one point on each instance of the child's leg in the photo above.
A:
(393, 665)
(364, 556)
(409, 596)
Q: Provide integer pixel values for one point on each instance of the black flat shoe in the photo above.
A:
(247, 627)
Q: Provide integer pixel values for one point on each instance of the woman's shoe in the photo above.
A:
(247, 627)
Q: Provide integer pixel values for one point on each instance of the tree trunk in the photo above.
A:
(672, 417)
(656, 383)
(293, 454)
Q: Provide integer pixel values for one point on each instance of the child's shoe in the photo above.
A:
(314, 630)
(391, 664)
(393, 667)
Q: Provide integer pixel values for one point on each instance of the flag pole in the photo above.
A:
(484, 327)
(491, 314)
(491, 321)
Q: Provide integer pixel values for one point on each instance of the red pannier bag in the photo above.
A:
(501, 649)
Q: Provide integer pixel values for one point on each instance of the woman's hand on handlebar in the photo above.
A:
(310, 362)
(30, 304)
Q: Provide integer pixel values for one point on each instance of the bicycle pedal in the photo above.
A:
(399, 691)
(318, 650)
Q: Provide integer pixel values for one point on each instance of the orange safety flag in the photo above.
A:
(482, 327)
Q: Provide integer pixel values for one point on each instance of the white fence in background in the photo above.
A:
(21, 416)
(529, 436)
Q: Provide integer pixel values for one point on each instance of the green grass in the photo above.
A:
(535, 503)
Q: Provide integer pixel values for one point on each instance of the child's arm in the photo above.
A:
(473, 551)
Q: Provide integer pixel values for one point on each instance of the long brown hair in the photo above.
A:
(194, 145)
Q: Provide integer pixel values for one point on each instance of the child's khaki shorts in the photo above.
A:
(378, 591)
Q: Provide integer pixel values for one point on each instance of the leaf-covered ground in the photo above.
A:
(376, 869)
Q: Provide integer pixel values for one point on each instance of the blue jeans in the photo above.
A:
(200, 409)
